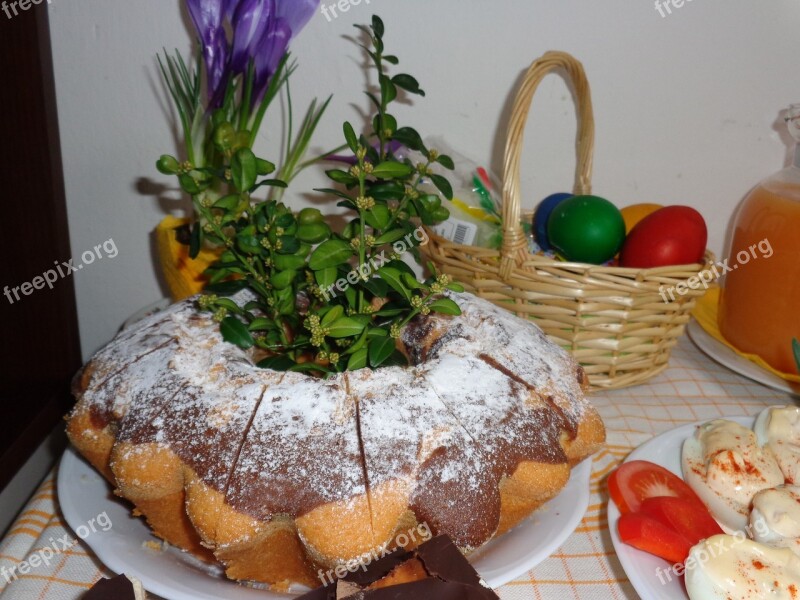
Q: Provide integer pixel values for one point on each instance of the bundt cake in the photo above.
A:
(277, 475)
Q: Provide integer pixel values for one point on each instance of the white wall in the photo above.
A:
(686, 106)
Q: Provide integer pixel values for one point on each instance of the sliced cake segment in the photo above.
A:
(407, 464)
(304, 431)
(527, 463)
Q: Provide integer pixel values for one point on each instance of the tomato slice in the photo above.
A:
(685, 517)
(636, 480)
(645, 533)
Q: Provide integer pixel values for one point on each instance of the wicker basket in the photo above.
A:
(614, 320)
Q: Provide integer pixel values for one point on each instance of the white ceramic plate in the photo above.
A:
(641, 567)
(728, 358)
(174, 575)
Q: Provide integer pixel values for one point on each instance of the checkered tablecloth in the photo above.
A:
(694, 388)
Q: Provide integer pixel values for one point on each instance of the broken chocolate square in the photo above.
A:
(116, 588)
(436, 569)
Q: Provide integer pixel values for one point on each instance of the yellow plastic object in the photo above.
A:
(636, 212)
(706, 310)
(184, 276)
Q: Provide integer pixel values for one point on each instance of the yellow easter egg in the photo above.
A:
(636, 212)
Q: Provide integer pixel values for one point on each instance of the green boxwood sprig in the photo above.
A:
(291, 262)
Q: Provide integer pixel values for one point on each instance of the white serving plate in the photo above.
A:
(642, 567)
(84, 494)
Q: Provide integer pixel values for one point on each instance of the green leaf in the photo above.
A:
(412, 282)
(446, 162)
(301, 367)
(379, 350)
(283, 279)
(410, 137)
(388, 89)
(443, 185)
(330, 254)
(377, 287)
(377, 26)
(168, 165)
(310, 216)
(445, 306)
(195, 240)
(351, 296)
(278, 183)
(391, 169)
(224, 136)
(378, 216)
(229, 304)
(382, 125)
(332, 315)
(455, 287)
(226, 288)
(342, 177)
(326, 277)
(395, 280)
(351, 137)
(391, 59)
(228, 202)
(289, 244)
(333, 192)
(408, 83)
(192, 183)
(391, 312)
(390, 236)
(313, 233)
(277, 363)
(244, 169)
(235, 332)
(358, 360)
(345, 327)
(261, 324)
(264, 167)
(387, 190)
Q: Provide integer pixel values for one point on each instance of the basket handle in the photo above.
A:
(515, 247)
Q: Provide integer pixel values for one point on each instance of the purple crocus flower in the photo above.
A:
(262, 30)
(207, 17)
(250, 23)
(296, 13)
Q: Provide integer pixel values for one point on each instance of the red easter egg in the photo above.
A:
(673, 235)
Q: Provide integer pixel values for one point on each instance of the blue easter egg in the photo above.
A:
(542, 215)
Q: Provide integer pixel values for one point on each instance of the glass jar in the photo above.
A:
(760, 303)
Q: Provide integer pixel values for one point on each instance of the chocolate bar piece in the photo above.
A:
(116, 588)
(436, 569)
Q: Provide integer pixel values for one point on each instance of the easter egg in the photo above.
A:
(673, 235)
(586, 229)
(636, 212)
(542, 216)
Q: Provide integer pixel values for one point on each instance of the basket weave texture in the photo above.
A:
(614, 320)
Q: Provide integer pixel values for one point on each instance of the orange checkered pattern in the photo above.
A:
(693, 388)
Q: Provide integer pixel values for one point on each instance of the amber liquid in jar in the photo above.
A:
(760, 305)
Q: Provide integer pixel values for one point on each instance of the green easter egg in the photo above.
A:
(586, 229)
